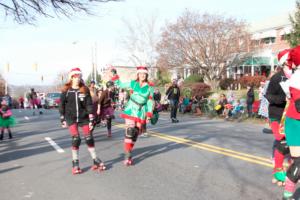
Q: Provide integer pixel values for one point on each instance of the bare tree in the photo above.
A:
(205, 42)
(25, 11)
(2, 86)
(141, 40)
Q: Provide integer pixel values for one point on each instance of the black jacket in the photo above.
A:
(173, 93)
(75, 106)
(157, 97)
(250, 96)
(276, 96)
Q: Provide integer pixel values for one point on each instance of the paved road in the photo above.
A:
(195, 159)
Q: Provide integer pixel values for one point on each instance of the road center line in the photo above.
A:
(54, 145)
(219, 150)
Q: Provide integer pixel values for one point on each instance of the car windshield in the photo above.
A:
(53, 95)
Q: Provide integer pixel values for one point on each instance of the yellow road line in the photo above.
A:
(228, 152)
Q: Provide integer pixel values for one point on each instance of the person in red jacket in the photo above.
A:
(292, 125)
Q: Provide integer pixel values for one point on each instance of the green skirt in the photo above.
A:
(7, 122)
(292, 131)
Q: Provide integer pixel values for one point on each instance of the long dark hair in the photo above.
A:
(137, 78)
(68, 85)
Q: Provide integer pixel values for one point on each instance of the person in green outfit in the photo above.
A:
(292, 125)
(139, 108)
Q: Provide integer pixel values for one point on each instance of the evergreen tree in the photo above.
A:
(91, 76)
(294, 37)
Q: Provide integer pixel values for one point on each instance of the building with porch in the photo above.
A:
(268, 37)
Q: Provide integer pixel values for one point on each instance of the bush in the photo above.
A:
(198, 89)
(225, 83)
(187, 92)
(251, 80)
(194, 78)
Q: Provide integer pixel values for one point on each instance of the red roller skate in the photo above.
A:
(76, 169)
(98, 165)
(128, 162)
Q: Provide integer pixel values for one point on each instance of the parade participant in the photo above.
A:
(277, 101)
(138, 110)
(173, 94)
(76, 110)
(292, 125)
(34, 101)
(6, 120)
(104, 106)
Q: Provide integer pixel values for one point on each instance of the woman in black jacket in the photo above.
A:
(76, 110)
(250, 99)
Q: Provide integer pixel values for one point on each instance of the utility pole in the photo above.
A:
(6, 84)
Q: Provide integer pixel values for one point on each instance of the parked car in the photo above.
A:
(52, 100)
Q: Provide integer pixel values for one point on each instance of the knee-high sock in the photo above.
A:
(75, 153)
(290, 186)
(279, 158)
(92, 152)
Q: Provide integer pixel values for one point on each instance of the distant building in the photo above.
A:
(268, 37)
(127, 73)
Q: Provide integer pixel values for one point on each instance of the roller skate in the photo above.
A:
(76, 169)
(98, 165)
(287, 196)
(128, 162)
(279, 177)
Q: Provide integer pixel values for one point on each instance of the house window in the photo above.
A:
(269, 40)
(285, 36)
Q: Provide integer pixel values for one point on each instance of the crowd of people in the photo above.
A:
(83, 107)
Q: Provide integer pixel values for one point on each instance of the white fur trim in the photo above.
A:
(295, 80)
(142, 71)
(283, 58)
(73, 73)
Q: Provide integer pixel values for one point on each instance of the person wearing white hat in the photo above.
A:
(292, 125)
(139, 108)
(277, 102)
(76, 110)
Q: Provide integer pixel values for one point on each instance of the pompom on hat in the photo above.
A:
(294, 58)
(284, 57)
(74, 71)
(142, 69)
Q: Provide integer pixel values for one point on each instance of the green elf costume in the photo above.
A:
(138, 110)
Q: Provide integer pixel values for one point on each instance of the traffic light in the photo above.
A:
(42, 78)
(62, 77)
(7, 67)
(35, 67)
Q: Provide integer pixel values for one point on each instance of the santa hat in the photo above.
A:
(142, 69)
(75, 71)
(294, 57)
(283, 56)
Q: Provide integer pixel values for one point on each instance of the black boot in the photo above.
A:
(10, 135)
(1, 135)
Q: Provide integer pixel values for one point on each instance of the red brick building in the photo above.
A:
(268, 37)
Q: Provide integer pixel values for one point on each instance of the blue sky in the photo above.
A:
(60, 44)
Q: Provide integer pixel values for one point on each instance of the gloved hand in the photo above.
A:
(91, 123)
(63, 122)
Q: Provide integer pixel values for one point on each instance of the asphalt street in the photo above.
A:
(194, 159)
